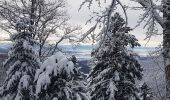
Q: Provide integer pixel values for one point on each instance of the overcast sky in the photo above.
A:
(82, 16)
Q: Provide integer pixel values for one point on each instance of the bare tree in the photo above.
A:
(49, 17)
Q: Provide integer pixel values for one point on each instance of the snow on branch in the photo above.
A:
(151, 17)
(92, 29)
(60, 75)
(102, 18)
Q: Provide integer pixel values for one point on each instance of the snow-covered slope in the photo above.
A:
(153, 75)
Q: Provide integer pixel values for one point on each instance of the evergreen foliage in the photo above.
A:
(145, 92)
(115, 69)
(59, 78)
(22, 63)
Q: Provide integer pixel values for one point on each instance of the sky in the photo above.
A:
(80, 18)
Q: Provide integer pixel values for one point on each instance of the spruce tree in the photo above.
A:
(114, 68)
(145, 92)
(22, 63)
(59, 78)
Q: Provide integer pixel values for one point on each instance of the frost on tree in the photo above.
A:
(59, 78)
(49, 18)
(145, 92)
(22, 63)
(115, 69)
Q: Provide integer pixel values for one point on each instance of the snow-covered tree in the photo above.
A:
(156, 16)
(22, 63)
(49, 18)
(115, 70)
(153, 11)
(59, 78)
(145, 92)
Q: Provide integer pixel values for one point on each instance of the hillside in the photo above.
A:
(153, 72)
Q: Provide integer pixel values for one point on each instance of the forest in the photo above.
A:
(85, 50)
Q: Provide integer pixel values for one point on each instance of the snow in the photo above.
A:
(27, 46)
(66, 91)
(50, 65)
(8, 97)
(78, 97)
(153, 74)
(42, 82)
(18, 97)
(56, 63)
(92, 29)
(21, 63)
(151, 16)
(66, 65)
(108, 58)
(102, 73)
(117, 78)
(12, 67)
(55, 98)
(13, 78)
(24, 82)
(112, 89)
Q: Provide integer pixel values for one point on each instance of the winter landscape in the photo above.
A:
(85, 50)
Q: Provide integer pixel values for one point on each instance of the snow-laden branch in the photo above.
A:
(48, 17)
(92, 29)
(149, 5)
(103, 18)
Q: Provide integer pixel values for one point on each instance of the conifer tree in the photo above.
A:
(59, 78)
(22, 63)
(115, 69)
(145, 92)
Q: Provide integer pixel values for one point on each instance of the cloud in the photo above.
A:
(82, 16)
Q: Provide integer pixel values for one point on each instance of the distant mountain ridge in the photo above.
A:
(84, 50)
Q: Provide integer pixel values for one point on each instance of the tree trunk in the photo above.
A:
(166, 44)
(33, 10)
(32, 17)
